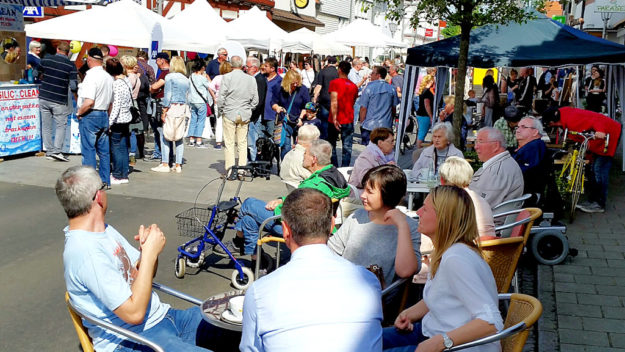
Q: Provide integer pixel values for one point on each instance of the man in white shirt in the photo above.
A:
(500, 177)
(359, 77)
(318, 301)
(95, 95)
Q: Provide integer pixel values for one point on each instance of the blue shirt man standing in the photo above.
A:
(377, 104)
(212, 69)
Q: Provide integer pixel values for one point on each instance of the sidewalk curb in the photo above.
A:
(548, 322)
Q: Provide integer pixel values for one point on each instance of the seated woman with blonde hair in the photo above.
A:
(460, 302)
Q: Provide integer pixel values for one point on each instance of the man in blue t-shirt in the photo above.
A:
(212, 69)
(274, 81)
(111, 280)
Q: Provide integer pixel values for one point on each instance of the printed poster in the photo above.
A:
(20, 125)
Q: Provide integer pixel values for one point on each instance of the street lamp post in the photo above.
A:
(605, 16)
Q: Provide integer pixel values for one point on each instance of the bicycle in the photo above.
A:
(575, 164)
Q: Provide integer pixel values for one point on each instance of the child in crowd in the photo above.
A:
(311, 116)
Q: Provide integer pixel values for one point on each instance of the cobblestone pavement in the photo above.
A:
(584, 298)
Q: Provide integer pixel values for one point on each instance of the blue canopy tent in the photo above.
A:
(540, 41)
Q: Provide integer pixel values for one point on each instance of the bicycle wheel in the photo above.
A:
(576, 190)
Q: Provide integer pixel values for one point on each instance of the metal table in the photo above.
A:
(213, 306)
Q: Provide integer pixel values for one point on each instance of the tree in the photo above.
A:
(465, 14)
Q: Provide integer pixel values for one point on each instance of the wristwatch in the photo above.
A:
(447, 341)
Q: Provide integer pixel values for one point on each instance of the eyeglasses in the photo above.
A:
(223, 54)
(526, 127)
(483, 142)
(102, 188)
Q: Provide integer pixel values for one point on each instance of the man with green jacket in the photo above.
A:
(325, 178)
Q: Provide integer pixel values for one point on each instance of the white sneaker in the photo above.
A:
(178, 169)
(118, 181)
(160, 168)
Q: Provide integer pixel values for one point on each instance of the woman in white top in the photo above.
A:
(214, 86)
(308, 75)
(137, 138)
(119, 122)
(460, 297)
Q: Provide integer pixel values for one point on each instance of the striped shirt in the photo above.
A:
(59, 75)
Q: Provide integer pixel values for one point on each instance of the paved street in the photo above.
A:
(583, 298)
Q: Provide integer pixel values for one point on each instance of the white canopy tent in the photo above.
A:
(363, 33)
(319, 44)
(254, 30)
(197, 40)
(123, 23)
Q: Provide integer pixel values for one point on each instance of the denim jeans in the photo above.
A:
(599, 178)
(198, 119)
(53, 120)
(166, 156)
(180, 330)
(167, 145)
(356, 111)
(157, 128)
(266, 128)
(400, 341)
(323, 115)
(290, 134)
(252, 136)
(93, 139)
(364, 136)
(120, 138)
(133, 142)
(251, 215)
(347, 136)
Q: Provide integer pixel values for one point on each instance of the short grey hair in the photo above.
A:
(76, 188)
(357, 61)
(322, 150)
(494, 135)
(456, 171)
(253, 61)
(33, 45)
(308, 133)
(236, 62)
(536, 123)
(449, 129)
(221, 50)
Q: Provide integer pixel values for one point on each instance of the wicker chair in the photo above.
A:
(523, 312)
(502, 254)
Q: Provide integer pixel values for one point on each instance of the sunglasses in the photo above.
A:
(102, 188)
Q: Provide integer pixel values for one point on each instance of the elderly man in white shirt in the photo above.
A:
(95, 95)
(292, 170)
(500, 177)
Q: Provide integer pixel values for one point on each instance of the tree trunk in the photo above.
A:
(465, 32)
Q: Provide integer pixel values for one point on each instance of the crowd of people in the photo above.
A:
(325, 290)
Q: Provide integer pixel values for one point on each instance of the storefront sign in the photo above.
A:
(33, 11)
(429, 32)
(609, 6)
(11, 18)
(20, 128)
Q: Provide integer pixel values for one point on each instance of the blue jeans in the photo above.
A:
(356, 111)
(93, 139)
(290, 133)
(364, 136)
(599, 178)
(198, 119)
(399, 341)
(133, 142)
(180, 330)
(251, 215)
(253, 132)
(347, 136)
(424, 127)
(323, 115)
(157, 128)
(266, 128)
(120, 136)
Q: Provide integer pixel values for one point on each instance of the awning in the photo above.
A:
(49, 3)
(291, 17)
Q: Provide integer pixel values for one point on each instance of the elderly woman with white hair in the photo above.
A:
(292, 170)
(432, 157)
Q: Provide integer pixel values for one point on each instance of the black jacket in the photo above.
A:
(261, 84)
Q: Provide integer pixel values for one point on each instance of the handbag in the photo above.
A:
(134, 109)
(174, 125)
(209, 111)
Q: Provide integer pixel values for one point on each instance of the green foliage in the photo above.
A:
(471, 156)
(450, 31)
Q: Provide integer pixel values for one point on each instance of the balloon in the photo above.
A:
(203, 56)
(113, 50)
(75, 46)
(191, 55)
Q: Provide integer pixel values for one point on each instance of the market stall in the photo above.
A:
(544, 43)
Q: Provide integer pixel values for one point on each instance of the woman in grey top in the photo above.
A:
(381, 234)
